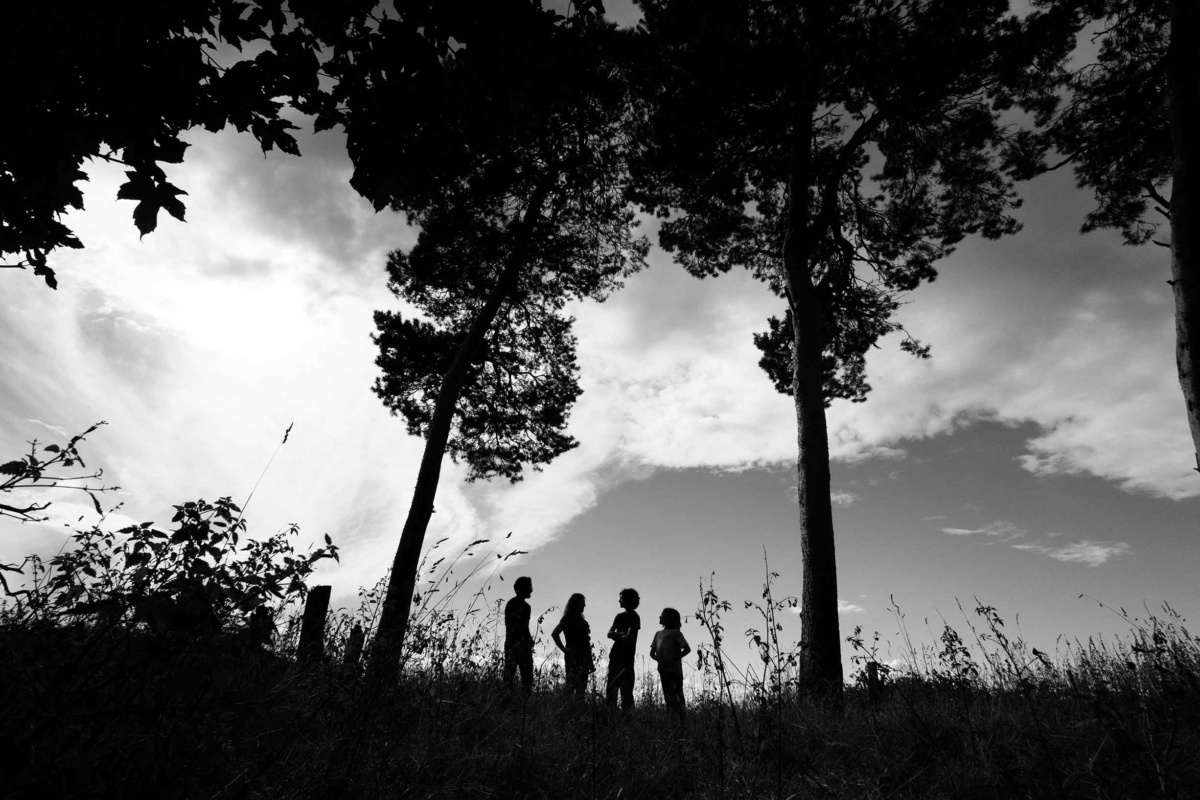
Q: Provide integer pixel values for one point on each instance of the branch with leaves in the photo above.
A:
(38, 469)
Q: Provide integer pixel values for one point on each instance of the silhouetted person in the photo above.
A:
(577, 651)
(620, 659)
(668, 648)
(518, 644)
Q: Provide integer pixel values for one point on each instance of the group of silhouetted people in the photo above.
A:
(573, 636)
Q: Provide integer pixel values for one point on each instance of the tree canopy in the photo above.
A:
(122, 82)
(1113, 126)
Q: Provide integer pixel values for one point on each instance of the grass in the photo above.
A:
(94, 711)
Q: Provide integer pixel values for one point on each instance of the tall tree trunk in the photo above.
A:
(397, 604)
(820, 642)
(1183, 104)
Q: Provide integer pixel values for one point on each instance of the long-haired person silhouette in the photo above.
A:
(577, 651)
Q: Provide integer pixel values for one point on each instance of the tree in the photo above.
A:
(836, 150)
(503, 139)
(121, 82)
(1131, 129)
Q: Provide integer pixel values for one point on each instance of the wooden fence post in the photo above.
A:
(873, 682)
(354, 648)
(312, 628)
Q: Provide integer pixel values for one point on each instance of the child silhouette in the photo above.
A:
(623, 633)
(669, 648)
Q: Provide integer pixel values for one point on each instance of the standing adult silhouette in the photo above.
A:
(577, 652)
(518, 644)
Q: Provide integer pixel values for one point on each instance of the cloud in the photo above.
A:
(1001, 529)
(1093, 554)
(671, 378)
(305, 205)
(840, 498)
(198, 374)
(845, 607)
(1085, 552)
(202, 342)
(71, 513)
(1073, 333)
(61, 431)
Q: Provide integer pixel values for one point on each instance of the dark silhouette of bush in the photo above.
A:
(138, 657)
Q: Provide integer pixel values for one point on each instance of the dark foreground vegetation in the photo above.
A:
(164, 703)
(162, 663)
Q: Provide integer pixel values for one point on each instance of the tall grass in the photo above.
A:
(979, 715)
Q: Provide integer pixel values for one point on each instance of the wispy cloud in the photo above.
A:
(1000, 529)
(1087, 552)
(1093, 554)
(61, 431)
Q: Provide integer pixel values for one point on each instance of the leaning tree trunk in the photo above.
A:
(820, 641)
(397, 604)
(1183, 104)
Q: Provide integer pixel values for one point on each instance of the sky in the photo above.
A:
(1040, 455)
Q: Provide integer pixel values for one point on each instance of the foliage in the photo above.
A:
(1114, 128)
(195, 581)
(122, 82)
(528, 179)
(138, 653)
(36, 470)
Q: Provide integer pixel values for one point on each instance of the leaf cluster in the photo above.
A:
(122, 82)
(38, 469)
(443, 91)
(844, 361)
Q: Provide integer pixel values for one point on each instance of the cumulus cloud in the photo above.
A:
(201, 343)
(840, 498)
(199, 374)
(1094, 370)
(671, 377)
(846, 607)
